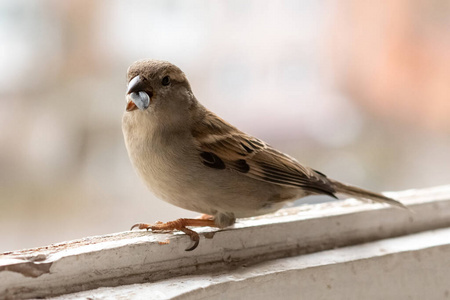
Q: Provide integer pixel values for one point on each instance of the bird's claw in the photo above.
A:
(180, 225)
(140, 226)
(194, 237)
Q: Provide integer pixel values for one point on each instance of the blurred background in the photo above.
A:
(359, 90)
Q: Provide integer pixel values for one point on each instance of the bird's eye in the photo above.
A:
(166, 80)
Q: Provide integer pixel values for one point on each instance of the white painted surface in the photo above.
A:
(136, 257)
(411, 267)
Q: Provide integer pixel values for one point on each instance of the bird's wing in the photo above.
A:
(223, 146)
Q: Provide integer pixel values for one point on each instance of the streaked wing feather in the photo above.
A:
(256, 159)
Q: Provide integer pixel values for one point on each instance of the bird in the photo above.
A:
(190, 157)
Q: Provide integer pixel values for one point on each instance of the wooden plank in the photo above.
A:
(135, 257)
(415, 266)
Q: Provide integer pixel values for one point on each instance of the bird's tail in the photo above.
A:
(364, 194)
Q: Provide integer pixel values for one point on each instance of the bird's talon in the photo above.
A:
(193, 246)
(194, 237)
(139, 225)
(180, 225)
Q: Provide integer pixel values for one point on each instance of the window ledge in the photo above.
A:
(137, 257)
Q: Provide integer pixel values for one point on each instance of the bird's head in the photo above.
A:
(157, 88)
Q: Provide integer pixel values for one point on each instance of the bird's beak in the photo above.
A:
(135, 85)
(130, 105)
(136, 96)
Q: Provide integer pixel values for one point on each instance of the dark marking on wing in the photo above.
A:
(256, 142)
(249, 150)
(211, 160)
(288, 176)
(320, 173)
(316, 185)
(241, 165)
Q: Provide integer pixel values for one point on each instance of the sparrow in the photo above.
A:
(191, 158)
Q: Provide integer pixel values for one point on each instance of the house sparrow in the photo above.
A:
(191, 158)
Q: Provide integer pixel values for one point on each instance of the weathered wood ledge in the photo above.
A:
(141, 257)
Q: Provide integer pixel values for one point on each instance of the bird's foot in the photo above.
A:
(180, 225)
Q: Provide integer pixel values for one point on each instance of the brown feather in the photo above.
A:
(254, 158)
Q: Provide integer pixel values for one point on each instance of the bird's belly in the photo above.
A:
(185, 182)
(218, 191)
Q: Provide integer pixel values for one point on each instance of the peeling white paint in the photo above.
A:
(135, 257)
(410, 267)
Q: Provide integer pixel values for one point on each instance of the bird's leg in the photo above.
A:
(205, 217)
(180, 225)
(177, 224)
